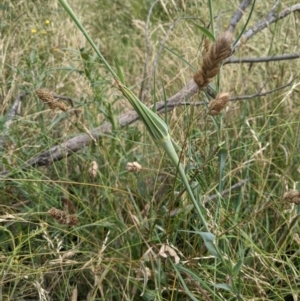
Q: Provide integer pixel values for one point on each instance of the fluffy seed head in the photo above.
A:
(218, 104)
(62, 217)
(292, 196)
(133, 167)
(219, 51)
(93, 169)
(47, 97)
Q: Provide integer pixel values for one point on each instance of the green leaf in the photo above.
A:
(222, 160)
(187, 291)
(246, 24)
(237, 267)
(119, 72)
(206, 32)
(209, 241)
(211, 15)
(224, 286)
(180, 57)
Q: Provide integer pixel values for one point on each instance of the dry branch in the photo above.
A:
(270, 18)
(238, 15)
(251, 60)
(242, 97)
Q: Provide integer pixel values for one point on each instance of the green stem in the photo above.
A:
(168, 147)
(211, 15)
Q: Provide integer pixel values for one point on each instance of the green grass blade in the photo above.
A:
(206, 32)
(246, 24)
(211, 15)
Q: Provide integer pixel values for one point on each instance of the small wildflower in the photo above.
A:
(133, 167)
(33, 30)
(43, 32)
(47, 22)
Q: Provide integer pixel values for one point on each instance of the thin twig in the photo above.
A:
(270, 18)
(235, 60)
(69, 99)
(257, 94)
(260, 94)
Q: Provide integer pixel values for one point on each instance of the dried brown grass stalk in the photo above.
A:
(47, 97)
(218, 104)
(63, 218)
(292, 196)
(219, 51)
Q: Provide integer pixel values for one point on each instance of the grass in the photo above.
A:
(118, 249)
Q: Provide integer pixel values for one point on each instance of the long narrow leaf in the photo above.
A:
(246, 24)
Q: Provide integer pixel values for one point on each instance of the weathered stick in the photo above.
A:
(251, 60)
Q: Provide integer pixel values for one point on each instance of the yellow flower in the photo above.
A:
(47, 22)
(33, 30)
(43, 32)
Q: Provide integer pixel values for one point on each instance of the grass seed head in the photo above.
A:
(133, 167)
(47, 98)
(292, 196)
(62, 217)
(219, 51)
(93, 169)
(218, 104)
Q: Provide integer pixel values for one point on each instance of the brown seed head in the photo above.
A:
(133, 167)
(292, 196)
(62, 217)
(93, 169)
(218, 104)
(219, 51)
(47, 97)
